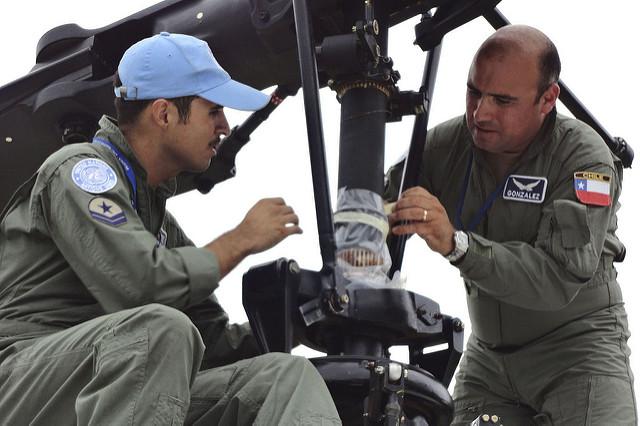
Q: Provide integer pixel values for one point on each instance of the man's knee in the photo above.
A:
(289, 364)
(595, 399)
(168, 328)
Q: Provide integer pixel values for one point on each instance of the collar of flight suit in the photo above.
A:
(109, 130)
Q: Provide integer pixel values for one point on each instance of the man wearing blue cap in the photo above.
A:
(107, 313)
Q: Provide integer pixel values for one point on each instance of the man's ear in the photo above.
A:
(549, 98)
(159, 111)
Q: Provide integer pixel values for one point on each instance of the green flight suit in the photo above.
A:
(107, 314)
(549, 330)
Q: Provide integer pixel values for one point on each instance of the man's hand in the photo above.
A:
(267, 223)
(425, 216)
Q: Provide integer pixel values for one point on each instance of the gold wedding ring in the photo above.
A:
(424, 215)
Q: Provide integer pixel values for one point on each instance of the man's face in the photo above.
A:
(196, 141)
(503, 114)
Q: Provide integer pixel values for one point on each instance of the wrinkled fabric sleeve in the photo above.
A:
(547, 274)
(122, 266)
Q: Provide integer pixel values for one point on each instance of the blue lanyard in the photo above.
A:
(477, 218)
(126, 165)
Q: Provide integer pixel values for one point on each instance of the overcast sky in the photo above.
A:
(598, 47)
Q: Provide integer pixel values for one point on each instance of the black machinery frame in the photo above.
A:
(357, 327)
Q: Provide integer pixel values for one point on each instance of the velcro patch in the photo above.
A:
(106, 211)
(528, 189)
(94, 175)
(592, 188)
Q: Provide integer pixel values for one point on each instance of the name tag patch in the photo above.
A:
(592, 188)
(94, 176)
(106, 211)
(527, 189)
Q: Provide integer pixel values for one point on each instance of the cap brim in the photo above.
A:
(233, 94)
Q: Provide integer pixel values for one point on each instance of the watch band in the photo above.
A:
(460, 246)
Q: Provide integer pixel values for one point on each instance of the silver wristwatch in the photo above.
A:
(460, 246)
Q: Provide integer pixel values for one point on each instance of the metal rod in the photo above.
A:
(412, 163)
(310, 89)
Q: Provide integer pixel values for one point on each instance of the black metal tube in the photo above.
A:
(412, 163)
(362, 124)
(363, 117)
(310, 89)
(359, 345)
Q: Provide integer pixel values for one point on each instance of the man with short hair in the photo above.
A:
(523, 202)
(107, 313)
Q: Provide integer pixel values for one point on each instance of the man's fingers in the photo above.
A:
(406, 229)
(291, 218)
(275, 200)
(292, 229)
(413, 214)
(286, 210)
(413, 201)
(410, 201)
(416, 191)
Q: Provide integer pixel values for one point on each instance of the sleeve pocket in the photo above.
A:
(571, 220)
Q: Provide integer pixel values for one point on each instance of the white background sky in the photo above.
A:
(598, 45)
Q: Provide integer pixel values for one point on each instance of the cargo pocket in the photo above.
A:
(210, 391)
(571, 220)
(170, 411)
(120, 360)
(571, 238)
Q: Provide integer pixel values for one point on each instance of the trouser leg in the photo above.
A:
(582, 375)
(591, 400)
(482, 387)
(131, 367)
(271, 389)
(577, 375)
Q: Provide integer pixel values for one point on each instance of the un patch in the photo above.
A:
(106, 211)
(528, 189)
(94, 175)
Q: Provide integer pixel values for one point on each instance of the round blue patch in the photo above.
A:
(94, 176)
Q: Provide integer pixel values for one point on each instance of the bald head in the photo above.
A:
(523, 41)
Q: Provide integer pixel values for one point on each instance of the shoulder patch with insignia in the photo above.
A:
(106, 211)
(592, 188)
(94, 175)
(528, 189)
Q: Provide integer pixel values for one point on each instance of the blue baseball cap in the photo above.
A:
(175, 65)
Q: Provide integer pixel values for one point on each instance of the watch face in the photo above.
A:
(461, 241)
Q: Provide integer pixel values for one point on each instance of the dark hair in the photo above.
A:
(549, 67)
(127, 112)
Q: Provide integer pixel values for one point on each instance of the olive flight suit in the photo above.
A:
(107, 315)
(549, 338)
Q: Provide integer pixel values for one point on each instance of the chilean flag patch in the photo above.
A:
(592, 188)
